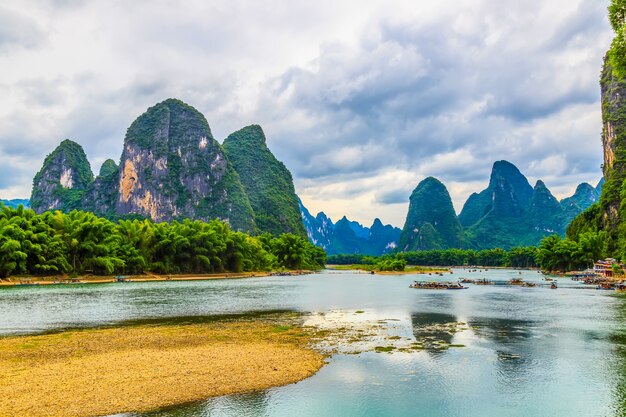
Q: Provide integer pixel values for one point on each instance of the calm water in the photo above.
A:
(529, 351)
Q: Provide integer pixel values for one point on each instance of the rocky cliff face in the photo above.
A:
(101, 195)
(267, 182)
(431, 222)
(610, 213)
(613, 94)
(63, 179)
(172, 167)
(319, 229)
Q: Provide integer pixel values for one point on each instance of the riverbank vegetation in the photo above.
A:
(553, 254)
(523, 257)
(140, 368)
(55, 243)
(558, 254)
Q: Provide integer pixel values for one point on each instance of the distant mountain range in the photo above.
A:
(347, 236)
(509, 212)
(16, 202)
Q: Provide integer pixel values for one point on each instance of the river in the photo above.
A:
(522, 351)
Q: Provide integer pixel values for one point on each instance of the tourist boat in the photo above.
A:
(483, 281)
(437, 286)
(467, 281)
(516, 281)
(620, 287)
(529, 284)
(605, 286)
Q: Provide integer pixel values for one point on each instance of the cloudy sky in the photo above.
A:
(361, 99)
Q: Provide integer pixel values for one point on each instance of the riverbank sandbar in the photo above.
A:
(140, 368)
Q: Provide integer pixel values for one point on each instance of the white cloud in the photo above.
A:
(360, 99)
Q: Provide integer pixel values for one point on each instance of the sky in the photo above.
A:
(360, 99)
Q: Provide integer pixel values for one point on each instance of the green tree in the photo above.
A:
(617, 53)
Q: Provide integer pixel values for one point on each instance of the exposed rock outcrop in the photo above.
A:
(172, 167)
(63, 179)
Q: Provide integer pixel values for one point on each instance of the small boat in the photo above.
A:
(516, 281)
(437, 286)
(553, 286)
(605, 287)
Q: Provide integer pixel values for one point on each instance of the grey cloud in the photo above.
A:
(18, 31)
(490, 80)
(416, 106)
(43, 92)
(393, 197)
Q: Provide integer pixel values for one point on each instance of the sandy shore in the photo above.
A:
(434, 272)
(93, 279)
(410, 270)
(139, 368)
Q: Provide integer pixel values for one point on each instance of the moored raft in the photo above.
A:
(437, 285)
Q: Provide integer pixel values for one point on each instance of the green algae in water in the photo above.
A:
(384, 348)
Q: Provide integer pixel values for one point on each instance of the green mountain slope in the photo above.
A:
(267, 182)
(63, 179)
(583, 198)
(431, 222)
(509, 212)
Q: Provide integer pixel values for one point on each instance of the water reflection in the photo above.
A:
(501, 331)
(619, 365)
(513, 344)
(434, 331)
(241, 405)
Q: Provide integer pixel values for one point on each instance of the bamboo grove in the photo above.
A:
(81, 243)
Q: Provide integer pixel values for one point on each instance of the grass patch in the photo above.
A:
(28, 346)
(281, 328)
(384, 348)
